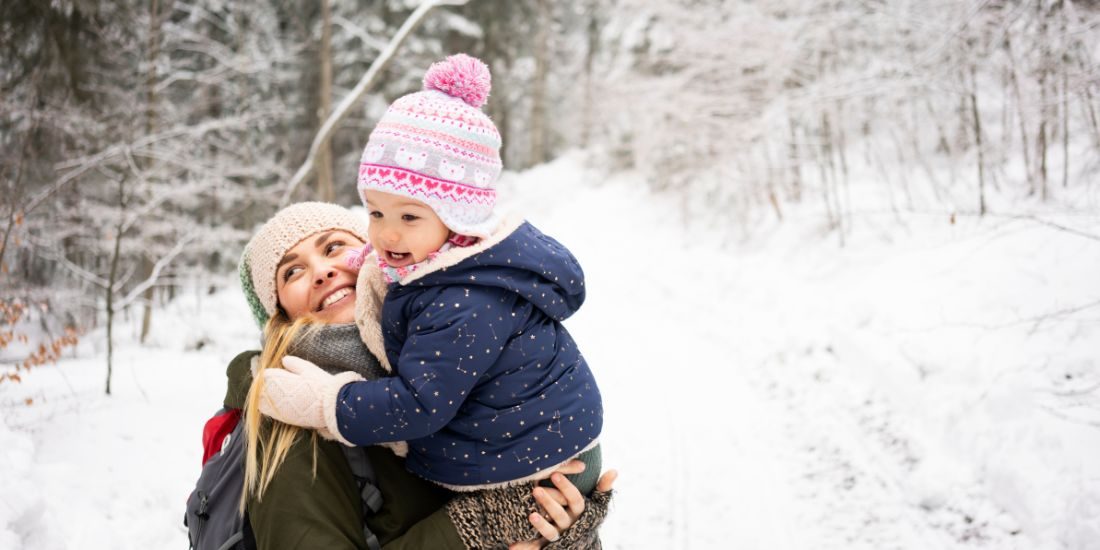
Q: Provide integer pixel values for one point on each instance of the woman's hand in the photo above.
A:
(563, 505)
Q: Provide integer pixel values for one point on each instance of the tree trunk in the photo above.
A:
(1043, 156)
(1044, 110)
(593, 36)
(15, 195)
(1084, 65)
(793, 162)
(944, 144)
(1065, 101)
(1006, 109)
(842, 154)
(1065, 128)
(1090, 116)
(147, 301)
(903, 175)
(325, 190)
(829, 177)
(111, 280)
(823, 152)
(150, 126)
(978, 139)
(537, 154)
(1025, 143)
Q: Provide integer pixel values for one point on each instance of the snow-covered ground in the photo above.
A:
(929, 385)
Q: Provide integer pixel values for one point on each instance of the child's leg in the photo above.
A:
(586, 480)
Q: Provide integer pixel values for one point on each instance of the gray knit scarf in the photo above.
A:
(336, 349)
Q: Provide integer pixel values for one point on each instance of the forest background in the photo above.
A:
(143, 141)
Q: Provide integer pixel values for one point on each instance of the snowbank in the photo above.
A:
(929, 385)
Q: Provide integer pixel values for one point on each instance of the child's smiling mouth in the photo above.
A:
(398, 259)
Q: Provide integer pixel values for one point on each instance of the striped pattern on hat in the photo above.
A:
(283, 231)
(438, 147)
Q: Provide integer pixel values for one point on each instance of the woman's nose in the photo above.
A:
(324, 275)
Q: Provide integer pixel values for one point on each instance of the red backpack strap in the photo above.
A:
(216, 430)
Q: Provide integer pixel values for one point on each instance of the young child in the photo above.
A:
(490, 389)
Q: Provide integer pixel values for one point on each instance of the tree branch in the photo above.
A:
(67, 263)
(159, 266)
(77, 167)
(359, 32)
(342, 110)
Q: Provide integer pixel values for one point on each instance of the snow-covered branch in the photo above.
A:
(159, 266)
(80, 166)
(341, 111)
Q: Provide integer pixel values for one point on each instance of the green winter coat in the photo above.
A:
(300, 511)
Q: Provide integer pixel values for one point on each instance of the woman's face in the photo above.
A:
(314, 278)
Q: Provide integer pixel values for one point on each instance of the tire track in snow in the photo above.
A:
(859, 463)
(692, 381)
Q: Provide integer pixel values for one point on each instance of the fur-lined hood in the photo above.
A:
(517, 257)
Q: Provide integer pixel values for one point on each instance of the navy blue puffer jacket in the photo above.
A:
(490, 387)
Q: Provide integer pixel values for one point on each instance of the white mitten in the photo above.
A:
(304, 395)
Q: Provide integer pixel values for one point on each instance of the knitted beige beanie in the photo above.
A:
(283, 231)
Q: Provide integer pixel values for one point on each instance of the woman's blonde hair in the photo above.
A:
(268, 440)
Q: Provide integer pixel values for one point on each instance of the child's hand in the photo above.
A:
(302, 393)
(565, 506)
(572, 467)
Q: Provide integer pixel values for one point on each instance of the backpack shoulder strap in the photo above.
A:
(368, 491)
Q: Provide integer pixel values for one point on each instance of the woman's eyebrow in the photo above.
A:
(321, 240)
(287, 258)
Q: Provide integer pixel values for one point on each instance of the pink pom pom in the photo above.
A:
(355, 258)
(461, 76)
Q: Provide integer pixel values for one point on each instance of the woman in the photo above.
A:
(300, 492)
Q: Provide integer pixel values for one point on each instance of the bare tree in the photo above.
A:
(537, 129)
(324, 154)
(978, 138)
(155, 20)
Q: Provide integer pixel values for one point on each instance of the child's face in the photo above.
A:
(314, 278)
(403, 231)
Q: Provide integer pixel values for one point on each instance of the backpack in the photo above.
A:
(212, 518)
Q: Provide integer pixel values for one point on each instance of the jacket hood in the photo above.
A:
(519, 258)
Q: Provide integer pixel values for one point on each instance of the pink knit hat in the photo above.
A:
(436, 146)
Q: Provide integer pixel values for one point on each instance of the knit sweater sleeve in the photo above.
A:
(452, 342)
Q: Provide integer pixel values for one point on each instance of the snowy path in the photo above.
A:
(783, 395)
(801, 396)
